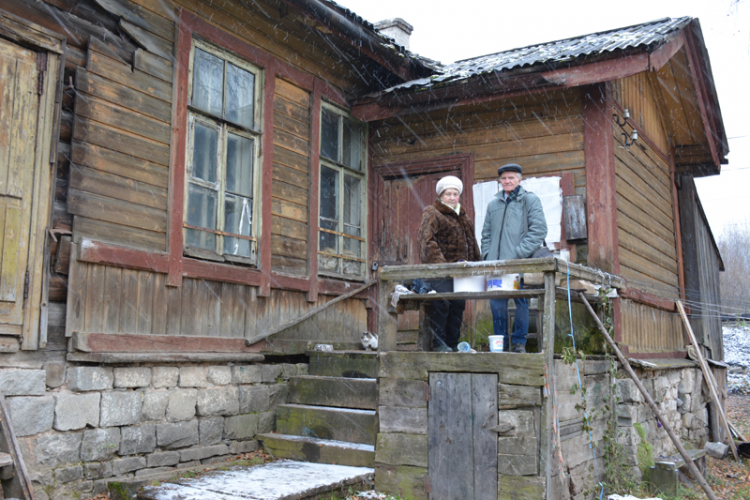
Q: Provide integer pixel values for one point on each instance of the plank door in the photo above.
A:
(23, 177)
(462, 449)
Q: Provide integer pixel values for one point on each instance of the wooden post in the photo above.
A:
(688, 460)
(548, 349)
(388, 321)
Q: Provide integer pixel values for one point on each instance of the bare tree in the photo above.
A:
(734, 245)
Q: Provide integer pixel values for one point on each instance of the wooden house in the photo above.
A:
(183, 177)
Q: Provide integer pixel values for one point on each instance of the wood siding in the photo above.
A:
(105, 299)
(291, 179)
(647, 330)
(541, 132)
(640, 98)
(645, 219)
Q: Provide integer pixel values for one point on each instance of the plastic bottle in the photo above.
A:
(464, 347)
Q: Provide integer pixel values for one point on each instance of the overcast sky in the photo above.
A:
(448, 31)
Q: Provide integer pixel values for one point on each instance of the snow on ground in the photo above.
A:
(737, 354)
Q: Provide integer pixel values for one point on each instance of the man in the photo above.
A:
(514, 228)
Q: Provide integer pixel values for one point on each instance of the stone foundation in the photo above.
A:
(81, 426)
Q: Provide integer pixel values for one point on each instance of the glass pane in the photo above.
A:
(329, 135)
(205, 146)
(328, 263)
(208, 82)
(240, 164)
(352, 154)
(240, 96)
(201, 212)
(352, 247)
(352, 268)
(329, 183)
(352, 201)
(238, 219)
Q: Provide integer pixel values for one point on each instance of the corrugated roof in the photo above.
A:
(640, 35)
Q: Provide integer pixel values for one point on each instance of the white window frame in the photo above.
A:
(342, 169)
(224, 127)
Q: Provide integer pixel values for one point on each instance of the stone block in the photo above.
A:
(279, 395)
(131, 377)
(687, 382)
(177, 435)
(203, 452)
(138, 439)
(241, 426)
(164, 459)
(267, 422)
(76, 411)
(154, 405)
(302, 369)
(288, 371)
(628, 392)
(100, 444)
(31, 415)
(124, 465)
(150, 472)
(89, 378)
(211, 430)
(54, 374)
(247, 374)
(237, 447)
(254, 398)
(215, 460)
(181, 404)
(121, 408)
(218, 401)
(52, 450)
(164, 376)
(44, 476)
(220, 375)
(193, 376)
(270, 373)
(23, 382)
(98, 470)
(626, 415)
(716, 450)
(68, 474)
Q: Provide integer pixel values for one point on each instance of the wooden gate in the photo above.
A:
(462, 448)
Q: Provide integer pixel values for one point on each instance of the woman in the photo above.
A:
(446, 234)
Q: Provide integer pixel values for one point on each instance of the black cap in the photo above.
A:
(510, 167)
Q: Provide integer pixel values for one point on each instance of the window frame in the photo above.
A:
(342, 169)
(225, 128)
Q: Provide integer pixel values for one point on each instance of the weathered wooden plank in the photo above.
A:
(401, 449)
(404, 420)
(288, 158)
(154, 44)
(74, 313)
(118, 140)
(402, 392)
(484, 441)
(282, 106)
(512, 396)
(250, 306)
(145, 302)
(450, 439)
(289, 210)
(286, 125)
(129, 302)
(112, 291)
(289, 247)
(116, 233)
(288, 227)
(110, 210)
(336, 392)
(174, 311)
(354, 426)
(290, 176)
(136, 80)
(143, 18)
(112, 91)
(293, 93)
(160, 308)
(99, 342)
(636, 245)
(113, 162)
(285, 140)
(496, 268)
(122, 118)
(95, 298)
(154, 65)
(232, 310)
(120, 188)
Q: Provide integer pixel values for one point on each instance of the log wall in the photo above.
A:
(641, 99)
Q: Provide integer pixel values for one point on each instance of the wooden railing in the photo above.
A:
(390, 276)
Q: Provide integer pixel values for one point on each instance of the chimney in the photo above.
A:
(397, 28)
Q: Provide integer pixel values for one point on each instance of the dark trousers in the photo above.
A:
(499, 308)
(445, 316)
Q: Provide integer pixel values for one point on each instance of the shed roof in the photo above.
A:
(561, 51)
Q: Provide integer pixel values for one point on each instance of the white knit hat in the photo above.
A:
(449, 181)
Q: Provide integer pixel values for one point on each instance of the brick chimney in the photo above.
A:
(397, 28)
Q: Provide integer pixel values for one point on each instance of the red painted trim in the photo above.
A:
(267, 181)
(658, 355)
(663, 54)
(331, 93)
(203, 269)
(314, 206)
(300, 79)
(648, 299)
(95, 252)
(677, 225)
(113, 342)
(601, 193)
(600, 71)
(290, 282)
(567, 185)
(336, 287)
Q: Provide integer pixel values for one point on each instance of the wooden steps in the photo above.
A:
(331, 416)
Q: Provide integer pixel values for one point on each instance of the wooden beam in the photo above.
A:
(112, 342)
(648, 299)
(665, 52)
(677, 224)
(313, 194)
(96, 252)
(266, 188)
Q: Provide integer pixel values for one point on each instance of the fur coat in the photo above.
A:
(445, 236)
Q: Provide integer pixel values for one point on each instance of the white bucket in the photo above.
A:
(468, 284)
(496, 343)
(505, 282)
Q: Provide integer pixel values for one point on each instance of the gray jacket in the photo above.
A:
(516, 242)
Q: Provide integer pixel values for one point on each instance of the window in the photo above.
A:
(223, 156)
(341, 242)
